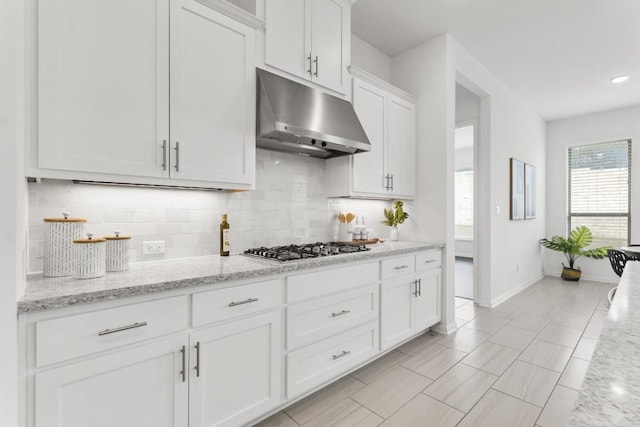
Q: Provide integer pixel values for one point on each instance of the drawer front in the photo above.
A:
(397, 266)
(311, 285)
(428, 259)
(310, 321)
(326, 360)
(82, 334)
(223, 304)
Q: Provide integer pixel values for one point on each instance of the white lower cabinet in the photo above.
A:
(236, 371)
(139, 386)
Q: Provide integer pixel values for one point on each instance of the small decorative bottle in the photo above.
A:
(224, 236)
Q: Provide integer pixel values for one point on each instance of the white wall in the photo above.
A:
(509, 128)
(12, 193)
(467, 104)
(370, 59)
(587, 129)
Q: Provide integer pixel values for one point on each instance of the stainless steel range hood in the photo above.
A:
(298, 119)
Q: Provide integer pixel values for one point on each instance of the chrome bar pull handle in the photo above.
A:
(310, 66)
(415, 293)
(400, 267)
(343, 354)
(391, 182)
(342, 313)
(164, 154)
(419, 287)
(183, 372)
(387, 178)
(429, 261)
(197, 367)
(316, 62)
(247, 301)
(177, 156)
(122, 328)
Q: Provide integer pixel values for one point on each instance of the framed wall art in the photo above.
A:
(529, 191)
(517, 207)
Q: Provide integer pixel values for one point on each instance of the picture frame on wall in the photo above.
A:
(529, 191)
(517, 207)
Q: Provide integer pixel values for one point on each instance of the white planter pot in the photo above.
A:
(395, 234)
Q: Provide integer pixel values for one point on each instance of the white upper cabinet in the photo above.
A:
(103, 94)
(212, 96)
(310, 39)
(388, 170)
(151, 92)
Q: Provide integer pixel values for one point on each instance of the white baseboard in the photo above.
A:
(505, 296)
(445, 329)
(588, 277)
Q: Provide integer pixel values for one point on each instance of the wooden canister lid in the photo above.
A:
(65, 219)
(90, 239)
(117, 236)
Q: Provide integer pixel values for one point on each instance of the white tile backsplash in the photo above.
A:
(289, 205)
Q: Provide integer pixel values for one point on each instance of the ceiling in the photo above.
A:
(558, 55)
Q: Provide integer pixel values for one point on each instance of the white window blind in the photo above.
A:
(464, 205)
(599, 189)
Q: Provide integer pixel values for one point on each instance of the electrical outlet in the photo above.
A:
(153, 247)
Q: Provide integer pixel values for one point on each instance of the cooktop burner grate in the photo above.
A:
(310, 250)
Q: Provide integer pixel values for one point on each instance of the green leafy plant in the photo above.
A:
(573, 247)
(397, 215)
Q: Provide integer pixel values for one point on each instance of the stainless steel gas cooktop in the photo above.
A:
(310, 250)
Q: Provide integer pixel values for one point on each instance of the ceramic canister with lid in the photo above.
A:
(59, 234)
(89, 257)
(117, 252)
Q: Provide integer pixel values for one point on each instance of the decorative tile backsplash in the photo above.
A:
(289, 205)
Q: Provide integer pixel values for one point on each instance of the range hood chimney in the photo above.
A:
(295, 118)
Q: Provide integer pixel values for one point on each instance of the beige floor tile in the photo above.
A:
(390, 392)
(531, 322)
(420, 342)
(464, 339)
(573, 375)
(560, 335)
(491, 358)
(462, 301)
(528, 382)
(546, 355)
(487, 323)
(585, 347)
(379, 367)
(496, 409)
(595, 325)
(558, 409)
(323, 399)
(470, 311)
(435, 366)
(512, 337)
(461, 387)
(345, 413)
(278, 420)
(461, 322)
(571, 320)
(424, 411)
(542, 308)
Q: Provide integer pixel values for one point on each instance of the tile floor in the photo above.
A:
(519, 364)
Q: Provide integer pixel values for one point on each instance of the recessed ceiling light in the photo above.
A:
(620, 79)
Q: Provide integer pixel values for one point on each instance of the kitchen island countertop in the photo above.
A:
(150, 277)
(610, 393)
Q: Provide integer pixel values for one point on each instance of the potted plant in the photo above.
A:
(573, 247)
(394, 217)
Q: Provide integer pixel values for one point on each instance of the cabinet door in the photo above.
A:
(397, 310)
(327, 32)
(212, 95)
(236, 374)
(368, 168)
(141, 386)
(427, 303)
(287, 37)
(103, 73)
(401, 147)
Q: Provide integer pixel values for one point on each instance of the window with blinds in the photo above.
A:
(599, 190)
(464, 205)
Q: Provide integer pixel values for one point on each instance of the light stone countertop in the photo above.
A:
(610, 394)
(149, 277)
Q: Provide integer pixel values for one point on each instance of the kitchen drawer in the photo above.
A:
(310, 321)
(428, 259)
(312, 285)
(222, 304)
(81, 334)
(326, 360)
(397, 266)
